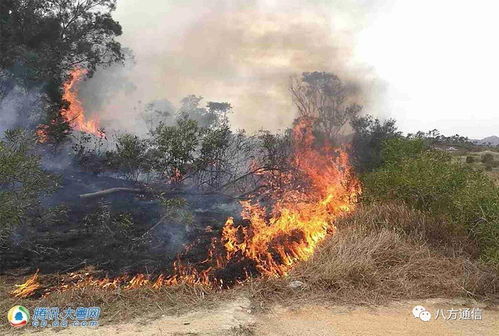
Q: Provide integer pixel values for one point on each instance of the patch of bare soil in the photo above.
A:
(235, 318)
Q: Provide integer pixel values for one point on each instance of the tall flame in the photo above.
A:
(75, 114)
(321, 188)
(299, 219)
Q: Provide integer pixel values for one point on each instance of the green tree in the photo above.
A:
(368, 137)
(22, 180)
(131, 157)
(43, 40)
(174, 148)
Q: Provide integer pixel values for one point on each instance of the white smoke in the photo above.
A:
(243, 52)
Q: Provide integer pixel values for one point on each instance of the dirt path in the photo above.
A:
(235, 318)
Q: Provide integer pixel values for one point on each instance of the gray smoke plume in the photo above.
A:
(19, 107)
(241, 51)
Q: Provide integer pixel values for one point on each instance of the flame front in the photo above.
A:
(273, 238)
(299, 219)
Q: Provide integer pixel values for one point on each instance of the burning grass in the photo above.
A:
(118, 305)
(379, 253)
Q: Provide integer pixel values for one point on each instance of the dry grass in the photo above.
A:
(494, 175)
(388, 252)
(120, 305)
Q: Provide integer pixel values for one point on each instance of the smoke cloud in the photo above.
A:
(19, 107)
(242, 52)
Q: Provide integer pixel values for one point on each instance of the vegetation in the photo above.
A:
(387, 251)
(22, 182)
(43, 40)
(427, 224)
(324, 98)
(428, 180)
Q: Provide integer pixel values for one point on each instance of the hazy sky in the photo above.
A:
(439, 59)
(428, 64)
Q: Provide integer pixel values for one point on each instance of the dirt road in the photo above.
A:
(236, 318)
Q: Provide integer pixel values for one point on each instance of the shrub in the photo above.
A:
(487, 158)
(131, 157)
(22, 180)
(369, 135)
(470, 159)
(429, 181)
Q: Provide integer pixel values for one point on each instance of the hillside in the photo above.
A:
(491, 140)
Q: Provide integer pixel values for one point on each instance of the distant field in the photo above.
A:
(477, 161)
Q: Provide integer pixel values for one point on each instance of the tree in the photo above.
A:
(323, 98)
(43, 40)
(219, 112)
(212, 164)
(22, 180)
(51, 37)
(175, 147)
(214, 115)
(368, 138)
(131, 157)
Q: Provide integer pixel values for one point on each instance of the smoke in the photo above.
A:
(19, 107)
(242, 52)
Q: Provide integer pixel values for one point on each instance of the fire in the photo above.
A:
(300, 218)
(274, 237)
(28, 288)
(75, 113)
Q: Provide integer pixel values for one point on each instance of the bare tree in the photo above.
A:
(323, 98)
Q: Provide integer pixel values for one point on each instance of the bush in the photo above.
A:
(487, 158)
(368, 138)
(131, 157)
(470, 159)
(429, 181)
(22, 180)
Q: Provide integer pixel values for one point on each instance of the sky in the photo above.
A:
(440, 63)
(427, 64)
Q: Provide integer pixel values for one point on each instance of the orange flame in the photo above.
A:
(322, 187)
(75, 113)
(29, 288)
(298, 221)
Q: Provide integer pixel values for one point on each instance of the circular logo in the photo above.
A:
(18, 316)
